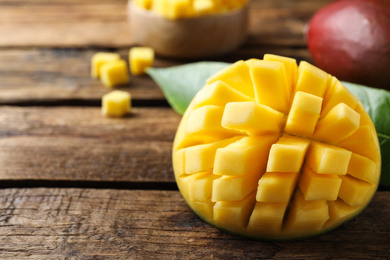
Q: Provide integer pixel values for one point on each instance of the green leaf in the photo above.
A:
(377, 104)
(180, 83)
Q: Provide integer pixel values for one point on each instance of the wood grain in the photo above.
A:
(79, 144)
(117, 224)
(39, 76)
(60, 23)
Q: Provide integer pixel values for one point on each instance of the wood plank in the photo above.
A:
(79, 144)
(60, 74)
(281, 22)
(59, 23)
(124, 224)
(63, 75)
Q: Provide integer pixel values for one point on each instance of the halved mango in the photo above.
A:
(274, 151)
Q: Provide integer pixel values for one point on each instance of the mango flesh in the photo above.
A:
(250, 166)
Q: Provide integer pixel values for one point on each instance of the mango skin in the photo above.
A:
(350, 39)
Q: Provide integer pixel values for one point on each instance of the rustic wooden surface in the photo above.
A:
(77, 185)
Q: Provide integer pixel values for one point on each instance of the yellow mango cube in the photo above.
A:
(365, 118)
(342, 121)
(234, 188)
(173, 9)
(184, 184)
(206, 120)
(202, 7)
(306, 215)
(362, 168)
(327, 159)
(117, 103)
(252, 118)
(287, 157)
(178, 162)
(336, 94)
(140, 58)
(316, 186)
(294, 140)
(146, 4)
(271, 86)
(204, 208)
(355, 192)
(201, 186)
(267, 218)
(363, 141)
(234, 214)
(304, 114)
(246, 156)
(218, 93)
(100, 58)
(180, 9)
(201, 157)
(290, 66)
(114, 73)
(236, 76)
(311, 79)
(339, 212)
(276, 186)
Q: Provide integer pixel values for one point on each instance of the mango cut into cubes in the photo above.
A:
(328, 159)
(276, 151)
(304, 114)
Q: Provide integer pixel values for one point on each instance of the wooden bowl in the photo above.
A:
(197, 37)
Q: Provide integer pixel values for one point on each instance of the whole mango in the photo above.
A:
(272, 150)
(350, 39)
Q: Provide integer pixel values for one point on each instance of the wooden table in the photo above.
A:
(77, 185)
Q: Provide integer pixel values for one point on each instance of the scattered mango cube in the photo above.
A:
(140, 58)
(117, 103)
(114, 73)
(100, 58)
